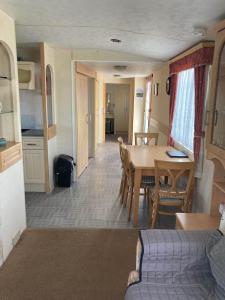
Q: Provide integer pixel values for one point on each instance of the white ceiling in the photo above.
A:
(133, 68)
(157, 29)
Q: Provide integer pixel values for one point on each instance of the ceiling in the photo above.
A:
(157, 29)
(134, 69)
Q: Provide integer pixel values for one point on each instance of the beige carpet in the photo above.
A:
(69, 264)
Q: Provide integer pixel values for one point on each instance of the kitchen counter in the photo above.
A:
(33, 132)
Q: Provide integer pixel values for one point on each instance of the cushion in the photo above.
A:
(216, 255)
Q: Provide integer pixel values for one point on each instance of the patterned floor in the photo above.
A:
(91, 202)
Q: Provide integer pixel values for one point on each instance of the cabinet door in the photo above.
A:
(218, 137)
(34, 166)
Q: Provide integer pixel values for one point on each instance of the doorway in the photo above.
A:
(85, 83)
(117, 110)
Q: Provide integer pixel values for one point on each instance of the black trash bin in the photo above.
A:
(63, 170)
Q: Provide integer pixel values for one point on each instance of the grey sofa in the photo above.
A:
(180, 265)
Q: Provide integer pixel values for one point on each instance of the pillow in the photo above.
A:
(216, 256)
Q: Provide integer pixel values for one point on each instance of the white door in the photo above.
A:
(82, 122)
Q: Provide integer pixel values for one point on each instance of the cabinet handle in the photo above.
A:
(31, 144)
(215, 117)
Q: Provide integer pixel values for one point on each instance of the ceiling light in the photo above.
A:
(116, 75)
(199, 31)
(115, 40)
(120, 68)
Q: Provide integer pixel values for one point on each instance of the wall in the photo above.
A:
(139, 105)
(64, 103)
(160, 104)
(12, 200)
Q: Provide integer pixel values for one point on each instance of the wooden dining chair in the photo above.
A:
(128, 193)
(122, 183)
(177, 192)
(142, 138)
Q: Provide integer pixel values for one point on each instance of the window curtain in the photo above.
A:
(196, 60)
(199, 107)
(148, 103)
(184, 112)
(173, 89)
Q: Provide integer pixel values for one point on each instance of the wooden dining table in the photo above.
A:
(142, 159)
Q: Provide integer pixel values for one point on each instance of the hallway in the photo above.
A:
(91, 202)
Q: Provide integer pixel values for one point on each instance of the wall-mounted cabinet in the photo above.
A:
(11, 152)
(216, 128)
(26, 75)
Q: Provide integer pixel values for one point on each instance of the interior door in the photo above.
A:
(122, 96)
(82, 122)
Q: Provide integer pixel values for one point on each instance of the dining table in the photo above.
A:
(142, 159)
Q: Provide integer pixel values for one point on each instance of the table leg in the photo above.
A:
(137, 185)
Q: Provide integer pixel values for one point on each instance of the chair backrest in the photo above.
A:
(120, 142)
(142, 138)
(125, 158)
(175, 172)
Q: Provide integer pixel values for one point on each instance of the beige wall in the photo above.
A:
(160, 104)
(139, 105)
(64, 101)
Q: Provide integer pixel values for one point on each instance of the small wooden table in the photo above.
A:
(142, 159)
(196, 221)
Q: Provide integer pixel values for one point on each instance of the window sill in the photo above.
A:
(181, 147)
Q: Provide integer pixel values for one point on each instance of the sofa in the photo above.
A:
(178, 265)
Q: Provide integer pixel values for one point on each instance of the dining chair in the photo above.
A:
(128, 193)
(142, 138)
(122, 183)
(177, 192)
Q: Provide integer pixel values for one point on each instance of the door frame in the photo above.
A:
(131, 105)
(79, 68)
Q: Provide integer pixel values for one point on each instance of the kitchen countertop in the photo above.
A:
(33, 132)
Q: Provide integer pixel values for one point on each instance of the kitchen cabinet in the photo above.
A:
(34, 164)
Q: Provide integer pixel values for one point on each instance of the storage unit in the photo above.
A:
(34, 166)
(216, 121)
(26, 75)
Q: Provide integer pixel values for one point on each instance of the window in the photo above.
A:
(184, 112)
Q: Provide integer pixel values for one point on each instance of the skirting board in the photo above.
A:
(34, 187)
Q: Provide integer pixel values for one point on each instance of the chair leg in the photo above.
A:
(122, 183)
(130, 203)
(123, 190)
(154, 213)
(126, 192)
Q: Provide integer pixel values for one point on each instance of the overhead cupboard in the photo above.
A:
(26, 75)
(216, 120)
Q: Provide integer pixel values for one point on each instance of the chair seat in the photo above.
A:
(171, 201)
